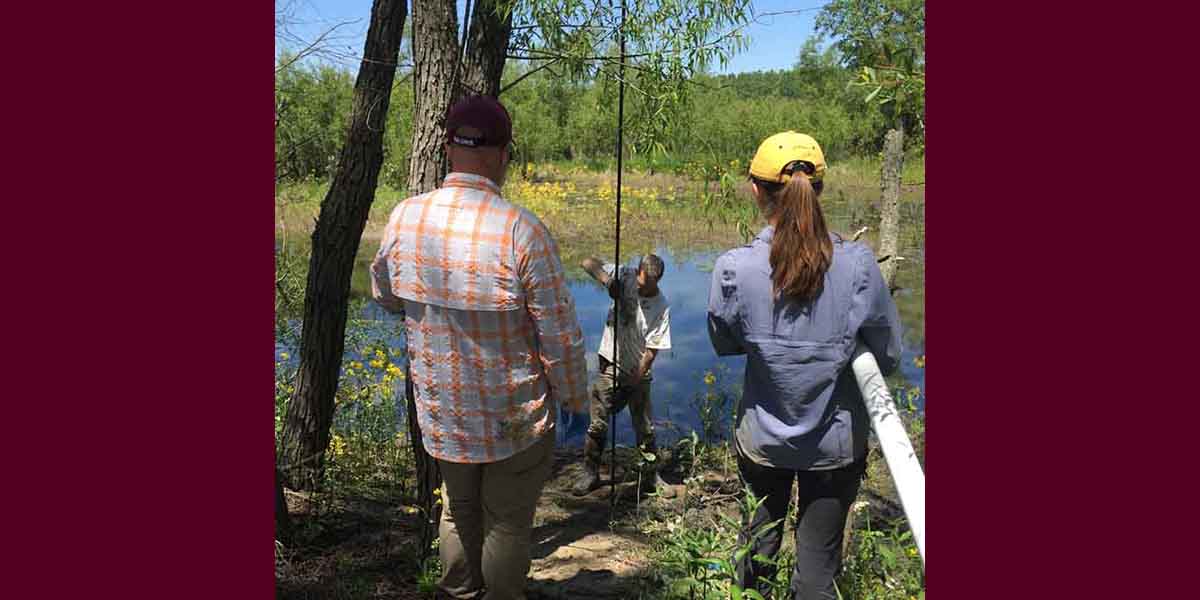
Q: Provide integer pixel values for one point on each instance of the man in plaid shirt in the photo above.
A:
(494, 347)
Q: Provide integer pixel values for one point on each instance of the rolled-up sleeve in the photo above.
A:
(381, 276)
(722, 308)
(876, 313)
(552, 312)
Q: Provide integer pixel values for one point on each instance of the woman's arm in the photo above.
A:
(880, 320)
(722, 309)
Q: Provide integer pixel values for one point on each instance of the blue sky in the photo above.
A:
(774, 42)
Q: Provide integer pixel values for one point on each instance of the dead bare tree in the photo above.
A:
(889, 209)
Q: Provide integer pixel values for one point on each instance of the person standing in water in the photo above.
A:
(645, 329)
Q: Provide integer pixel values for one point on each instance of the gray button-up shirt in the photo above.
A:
(801, 407)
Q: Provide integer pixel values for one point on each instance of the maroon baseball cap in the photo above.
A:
(483, 113)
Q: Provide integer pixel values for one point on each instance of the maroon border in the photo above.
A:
(140, 415)
(138, 410)
(1048, 261)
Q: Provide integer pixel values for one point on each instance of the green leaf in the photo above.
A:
(888, 554)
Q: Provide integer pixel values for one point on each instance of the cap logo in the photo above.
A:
(470, 142)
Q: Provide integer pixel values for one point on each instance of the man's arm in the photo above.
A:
(658, 337)
(595, 267)
(643, 366)
(552, 313)
(381, 280)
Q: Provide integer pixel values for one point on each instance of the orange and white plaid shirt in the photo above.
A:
(493, 341)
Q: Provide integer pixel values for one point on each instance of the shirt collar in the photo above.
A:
(768, 233)
(470, 180)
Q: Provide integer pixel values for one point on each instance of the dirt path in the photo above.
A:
(576, 553)
(364, 549)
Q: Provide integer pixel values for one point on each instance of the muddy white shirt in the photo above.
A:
(645, 323)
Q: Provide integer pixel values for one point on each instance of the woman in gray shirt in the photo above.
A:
(795, 300)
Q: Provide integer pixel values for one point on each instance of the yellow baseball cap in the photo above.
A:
(781, 149)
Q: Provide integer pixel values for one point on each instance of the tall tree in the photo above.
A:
(439, 77)
(435, 70)
(435, 51)
(487, 47)
(334, 244)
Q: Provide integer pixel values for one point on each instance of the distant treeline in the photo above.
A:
(708, 122)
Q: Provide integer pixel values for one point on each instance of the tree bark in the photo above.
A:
(435, 50)
(487, 46)
(438, 79)
(334, 245)
(429, 476)
(435, 68)
(889, 218)
(283, 523)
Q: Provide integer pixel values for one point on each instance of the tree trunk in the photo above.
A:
(487, 46)
(283, 523)
(429, 477)
(889, 225)
(435, 68)
(334, 245)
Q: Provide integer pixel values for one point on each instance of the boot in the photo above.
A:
(662, 488)
(590, 478)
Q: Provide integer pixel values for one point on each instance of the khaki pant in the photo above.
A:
(487, 521)
(604, 403)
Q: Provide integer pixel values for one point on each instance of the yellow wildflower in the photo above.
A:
(337, 445)
(709, 378)
(919, 361)
(376, 364)
(283, 356)
(394, 371)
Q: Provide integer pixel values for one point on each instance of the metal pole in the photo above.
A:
(612, 414)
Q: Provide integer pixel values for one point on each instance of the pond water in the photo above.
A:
(679, 372)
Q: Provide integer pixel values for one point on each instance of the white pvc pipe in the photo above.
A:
(893, 440)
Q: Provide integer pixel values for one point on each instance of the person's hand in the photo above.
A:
(629, 380)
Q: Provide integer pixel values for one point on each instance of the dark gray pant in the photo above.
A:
(824, 500)
(605, 404)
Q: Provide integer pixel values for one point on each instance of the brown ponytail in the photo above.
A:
(801, 251)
